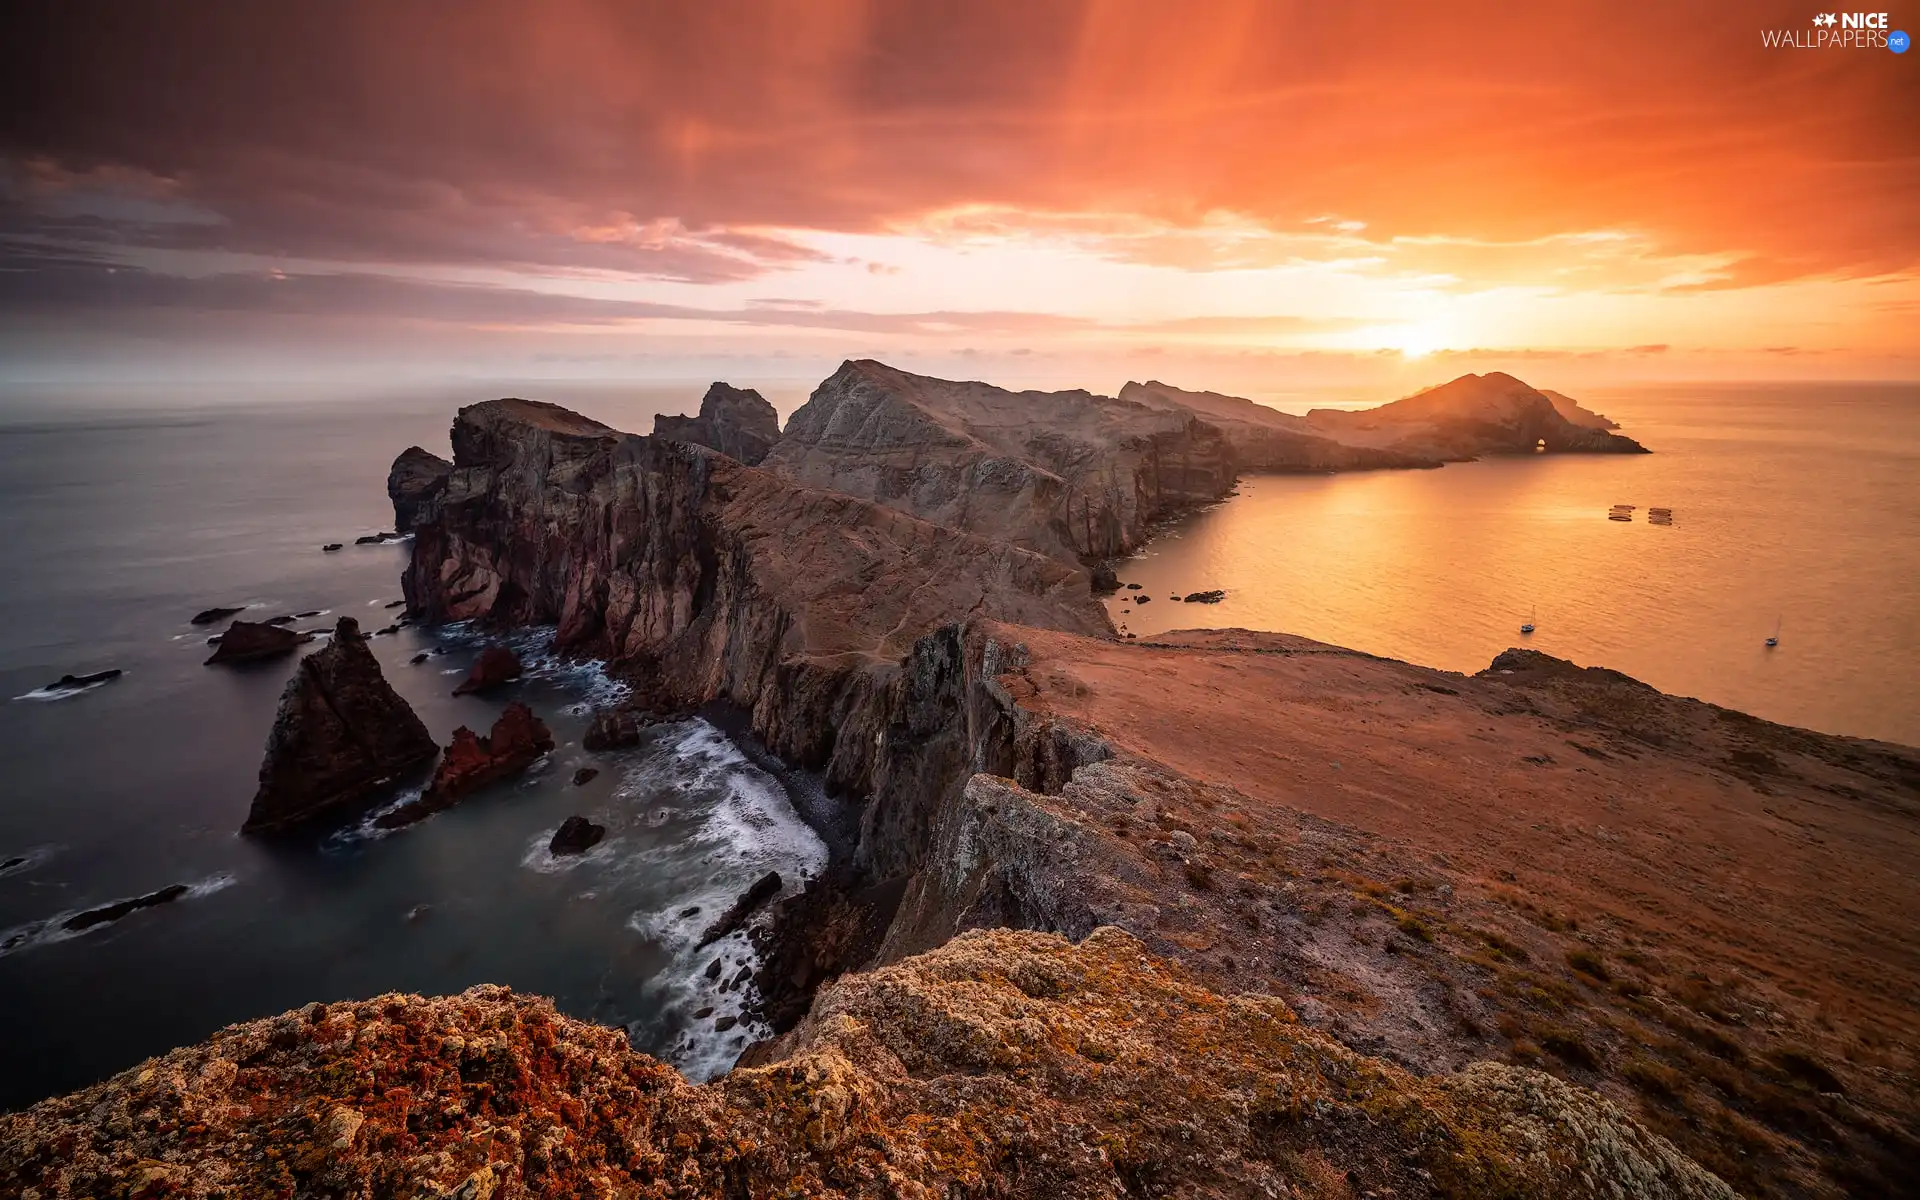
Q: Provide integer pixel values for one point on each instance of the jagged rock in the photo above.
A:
(576, 835)
(471, 762)
(210, 615)
(738, 422)
(1073, 475)
(585, 775)
(764, 889)
(496, 666)
(1143, 598)
(414, 483)
(330, 547)
(1213, 597)
(73, 683)
(121, 908)
(1105, 580)
(252, 641)
(615, 730)
(419, 658)
(1003, 1064)
(283, 619)
(369, 539)
(340, 737)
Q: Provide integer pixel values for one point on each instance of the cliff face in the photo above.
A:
(1070, 474)
(1004, 1064)
(738, 422)
(725, 581)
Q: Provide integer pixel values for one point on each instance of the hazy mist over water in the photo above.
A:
(120, 520)
(1791, 503)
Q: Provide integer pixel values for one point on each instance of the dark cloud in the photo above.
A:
(667, 139)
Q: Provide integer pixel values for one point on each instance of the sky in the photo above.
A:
(1252, 193)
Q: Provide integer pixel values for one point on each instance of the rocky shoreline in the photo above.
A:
(1379, 991)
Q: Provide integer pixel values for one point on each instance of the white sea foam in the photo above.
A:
(54, 929)
(746, 829)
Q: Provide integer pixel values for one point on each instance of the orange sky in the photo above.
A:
(1237, 188)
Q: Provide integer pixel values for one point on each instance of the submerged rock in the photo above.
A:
(472, 761)
(120, 908)
(576, 835)
(341, 736)
(585, 775)
(764, 889)
(208, 616)
(74, 683)
(1213, 597)
(253, 641)
(330, 547)
(496, 665)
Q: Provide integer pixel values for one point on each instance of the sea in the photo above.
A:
(123, 513)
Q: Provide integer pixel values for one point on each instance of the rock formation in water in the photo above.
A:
(496, 667)
(210, 615)
(252, 641)
(1073, 475)
(1573, 412)
(1004, 1064)
(738, 422)
(471, 762)
(576, 835)
(342, 735)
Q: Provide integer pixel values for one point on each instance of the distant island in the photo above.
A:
(1212, 913)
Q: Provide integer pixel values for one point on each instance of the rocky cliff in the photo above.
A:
(726, 582)
(1002, 1065)
(738, 422)
(1070, 474)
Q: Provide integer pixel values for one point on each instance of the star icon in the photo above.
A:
(1827, 19)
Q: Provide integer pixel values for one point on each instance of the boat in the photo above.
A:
(1775, 639)
(1527, 625)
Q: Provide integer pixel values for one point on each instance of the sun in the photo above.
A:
(1415, 341)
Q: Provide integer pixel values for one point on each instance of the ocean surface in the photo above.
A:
(1796, 507)
(119, 521)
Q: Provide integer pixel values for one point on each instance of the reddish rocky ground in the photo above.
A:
(1005, 1064)
(1705, 916)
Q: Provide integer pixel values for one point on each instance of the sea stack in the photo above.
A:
(341, 735)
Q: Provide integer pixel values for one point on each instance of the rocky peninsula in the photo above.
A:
(1213, 914)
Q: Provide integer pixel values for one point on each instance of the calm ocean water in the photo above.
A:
(1797, 505)
(118, 524)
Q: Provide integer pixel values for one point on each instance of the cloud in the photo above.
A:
(667, 140)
